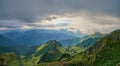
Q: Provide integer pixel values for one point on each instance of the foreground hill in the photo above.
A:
(105, 52)
(10, 59)
(50, 51)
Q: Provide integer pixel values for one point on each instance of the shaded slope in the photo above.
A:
(70, 42)
(8, 45)
(4, 41)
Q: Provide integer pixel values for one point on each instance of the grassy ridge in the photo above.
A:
(105, 52)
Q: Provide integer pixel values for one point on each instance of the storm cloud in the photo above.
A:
(32, 12)
(28, 10)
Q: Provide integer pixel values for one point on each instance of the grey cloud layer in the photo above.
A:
(28, 10)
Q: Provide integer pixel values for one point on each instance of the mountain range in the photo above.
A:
(91, 50)
(38, 36)
(8, 45)
(105, 52)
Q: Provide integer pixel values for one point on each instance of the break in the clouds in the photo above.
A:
(73, 15)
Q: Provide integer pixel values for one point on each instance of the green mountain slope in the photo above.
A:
(70, 42)
(50, 51)
(10, 59)
(89, 40)
(84, 43)
(73, 50)
(105, 52)
(31, 50)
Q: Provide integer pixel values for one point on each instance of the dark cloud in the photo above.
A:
(28, 10)
(9, 26)
(50, 18)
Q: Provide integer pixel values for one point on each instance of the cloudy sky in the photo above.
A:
(87, 16)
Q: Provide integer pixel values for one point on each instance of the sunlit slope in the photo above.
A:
(50, 51)
(104, 53)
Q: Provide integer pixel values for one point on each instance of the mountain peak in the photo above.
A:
(97, 33)
(116, 31)
(54, 42)
(50, 51)
(50, 45)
